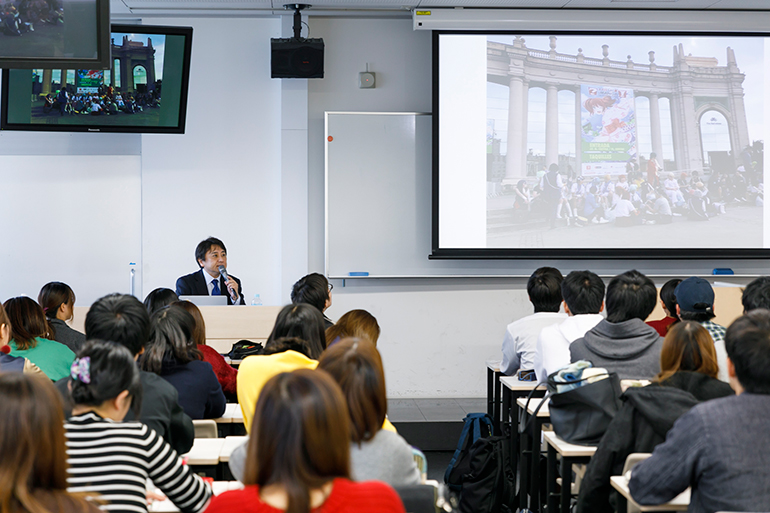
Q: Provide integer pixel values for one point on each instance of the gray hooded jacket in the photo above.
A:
(629, 348)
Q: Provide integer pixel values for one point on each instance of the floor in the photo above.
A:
(434, 410)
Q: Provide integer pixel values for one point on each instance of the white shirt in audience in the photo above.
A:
(552, 348)
(624, 208)
(520, 339)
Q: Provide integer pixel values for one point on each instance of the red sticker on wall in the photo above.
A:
(330, 138)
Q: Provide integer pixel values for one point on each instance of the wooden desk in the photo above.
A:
(203, 458)
(166, 506)
(529, 467)
(493, 391)
(620, 483)
(570, 454)
(225, 325)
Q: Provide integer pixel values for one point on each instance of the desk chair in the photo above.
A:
(631, 461)
(205, 428)
(418, 498)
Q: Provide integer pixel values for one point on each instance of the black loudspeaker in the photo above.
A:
(293, 58)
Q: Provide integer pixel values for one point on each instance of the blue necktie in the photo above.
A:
(215, 291)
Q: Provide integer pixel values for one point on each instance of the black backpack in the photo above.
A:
(490, 486)
(244, 348)
(476, 425)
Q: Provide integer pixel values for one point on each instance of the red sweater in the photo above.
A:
(226, 375)
(662, 325)
(346, 497)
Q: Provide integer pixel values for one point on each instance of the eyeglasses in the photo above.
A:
(331, 287)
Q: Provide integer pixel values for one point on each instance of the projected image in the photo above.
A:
(31, 26)
(623, 141)
(127, 94)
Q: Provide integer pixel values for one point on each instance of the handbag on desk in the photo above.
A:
(582, 407)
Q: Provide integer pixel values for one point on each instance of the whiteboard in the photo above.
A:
(378, 210)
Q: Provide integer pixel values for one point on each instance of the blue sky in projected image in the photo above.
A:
(749, 55)
(158, 42)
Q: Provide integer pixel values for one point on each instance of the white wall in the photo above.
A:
(223, 176)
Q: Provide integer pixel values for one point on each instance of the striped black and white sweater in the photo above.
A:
(114, 460)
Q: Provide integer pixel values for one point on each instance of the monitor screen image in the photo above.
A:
(145, 89)
(600, 145)
(38, 33)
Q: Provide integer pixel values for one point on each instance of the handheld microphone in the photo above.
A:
(5, 349)
(224, 274)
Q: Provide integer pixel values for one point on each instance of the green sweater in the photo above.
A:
(53, 358)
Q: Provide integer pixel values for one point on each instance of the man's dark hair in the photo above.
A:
(204, 246)
(630, 295)
(119, 318)
(668, 297)
(583, 291)
(696, 316)
(747, 342)
(544, 289)
(312, 289)
(756, 294)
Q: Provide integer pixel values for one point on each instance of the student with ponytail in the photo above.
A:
(58, 302)
(114, 458)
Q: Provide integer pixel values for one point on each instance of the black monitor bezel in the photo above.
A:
(438, 253)
(118, 28)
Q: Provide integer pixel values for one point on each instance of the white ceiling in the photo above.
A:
(124, 8)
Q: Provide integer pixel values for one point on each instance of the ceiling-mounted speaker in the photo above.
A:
(293, 58)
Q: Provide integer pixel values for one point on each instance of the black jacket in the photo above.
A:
(160, 411)
(642, 423)
(194, 284)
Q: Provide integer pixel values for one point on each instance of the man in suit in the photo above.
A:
(207, 281)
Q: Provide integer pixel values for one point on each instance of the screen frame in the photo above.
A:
(101, 61)
(179, 128)
(438, 253)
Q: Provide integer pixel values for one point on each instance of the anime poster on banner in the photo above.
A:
(608, 132)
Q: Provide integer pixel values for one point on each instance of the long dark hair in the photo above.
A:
(300, 439)
(159, 298)
(105, 369)
(33, 466)
(52, 296)
(302, 321)
(28, 322)
(357, 366)
(171, 339)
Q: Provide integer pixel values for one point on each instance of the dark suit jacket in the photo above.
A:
(160, 411)
(195, 285)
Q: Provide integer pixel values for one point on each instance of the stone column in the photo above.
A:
(578, 133)
(657, 141)
(691, 144)
(47, 73)
(524, 125)
(516, 131)
(551, 125)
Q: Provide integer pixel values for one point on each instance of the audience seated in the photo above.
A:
(314, 289)
(695, 302)
(287, 348)
(10, 363)
(756, 294)
(299, 454)
(114, 458)
(172, 354)
(121, 318)
(33, 466)
(688, 376)
(226, 374)
(583, 294)
(720, 448)
(356, 324)
(375, 453)
(30, 332)
(520, 341)
(623, 343)
(668, 303)
(58, 302)
(159, 298)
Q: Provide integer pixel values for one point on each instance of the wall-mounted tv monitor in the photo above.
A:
(144, 91)
(600, 145)
(55, 33)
